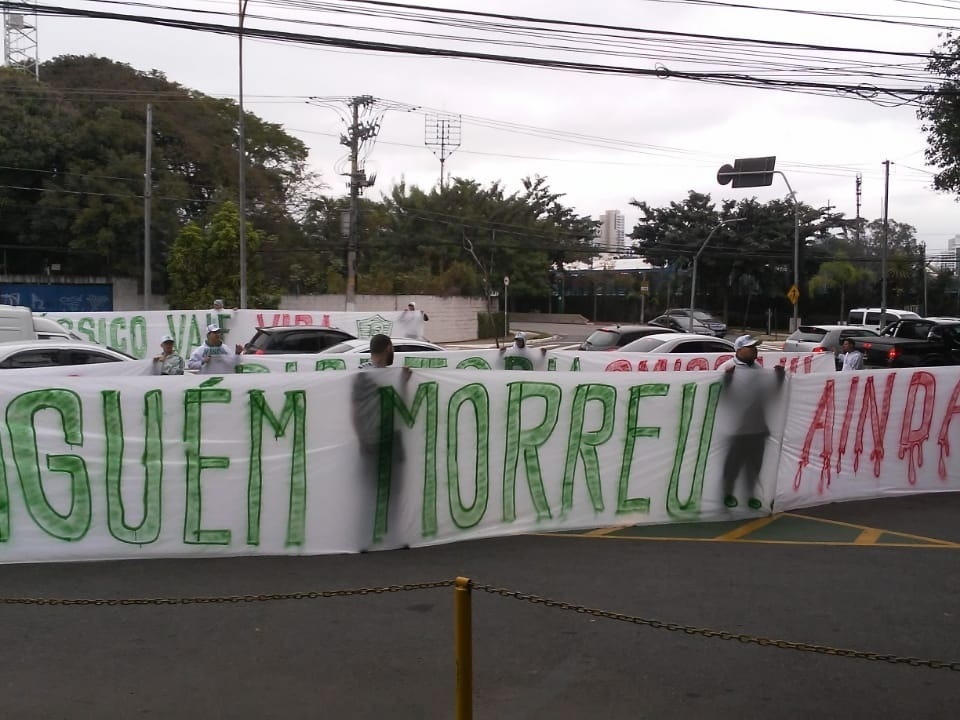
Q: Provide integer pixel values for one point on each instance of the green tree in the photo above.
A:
(203, 263)
(940, 113)
(74, 167)
(839, 274)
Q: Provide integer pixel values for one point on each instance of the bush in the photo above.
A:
(489, 325)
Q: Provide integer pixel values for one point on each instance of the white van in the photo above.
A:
(18, 323)
(870, 317)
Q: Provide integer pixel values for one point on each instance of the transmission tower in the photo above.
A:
(441, 133)
(20, 40)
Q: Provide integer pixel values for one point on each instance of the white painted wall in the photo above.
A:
(452, 319)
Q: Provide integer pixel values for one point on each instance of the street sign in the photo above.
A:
(644, 288)
(506, 281)
(793, 294)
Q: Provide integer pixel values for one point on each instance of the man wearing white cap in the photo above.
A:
(747, 391)
(212, 358)
(169, 359)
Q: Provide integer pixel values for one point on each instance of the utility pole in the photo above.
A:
(242, 165)
(147, 198)
(859, 194)
(884, 243)
(20, 44)
(356, 135)
(442, 135)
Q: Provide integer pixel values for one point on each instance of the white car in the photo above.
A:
(56, 352)
(400, 345)
(678, 343)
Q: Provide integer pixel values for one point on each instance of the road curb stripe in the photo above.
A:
(868, 536)
(747, 528)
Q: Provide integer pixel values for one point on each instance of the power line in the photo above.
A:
(723, 78)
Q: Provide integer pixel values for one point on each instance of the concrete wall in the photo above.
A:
(452, 319)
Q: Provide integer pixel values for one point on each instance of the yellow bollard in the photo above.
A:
(463, 647)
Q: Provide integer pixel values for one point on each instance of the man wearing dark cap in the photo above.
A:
(747, 390)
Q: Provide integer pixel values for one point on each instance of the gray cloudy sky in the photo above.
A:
(612, 138)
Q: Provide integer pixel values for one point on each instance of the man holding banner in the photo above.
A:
(212, 358)
(747, 390)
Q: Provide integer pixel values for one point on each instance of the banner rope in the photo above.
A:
(722, 634)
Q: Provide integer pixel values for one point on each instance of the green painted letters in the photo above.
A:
(21, 414)
(295, 408)
(475, 394)
(584, 444)
(527, 441)
(626, 504)
(149, 528)
(194, 399)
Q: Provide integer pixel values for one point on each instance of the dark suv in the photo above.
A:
(616, 336)
(295, 339)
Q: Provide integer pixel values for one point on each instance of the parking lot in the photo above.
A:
(880, 576)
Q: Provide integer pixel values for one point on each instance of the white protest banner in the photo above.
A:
(479, 359)
(288, 463)
(858, 435)
(139, 333)
(597, 361)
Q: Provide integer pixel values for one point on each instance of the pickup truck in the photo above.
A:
(939, 346)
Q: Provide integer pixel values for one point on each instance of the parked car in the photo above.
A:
(870, 317)
(823, 338)
(679, 343)
(681, 324)
(614, 337)
(702, 316)
(400, 345)
(56, 352)
(294, 339)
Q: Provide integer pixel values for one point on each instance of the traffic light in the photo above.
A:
(748, 172)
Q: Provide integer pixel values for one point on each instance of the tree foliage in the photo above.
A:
(72, 151)
(751, 257)
(202, 259)
(940, 113)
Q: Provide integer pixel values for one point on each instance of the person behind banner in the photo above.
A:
(747, 391)
(381, 453)
(213, 358)
(168, 361)
(518, 356)
(850, 358)
(411, 322)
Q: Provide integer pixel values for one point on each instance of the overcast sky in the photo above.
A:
(613, 138)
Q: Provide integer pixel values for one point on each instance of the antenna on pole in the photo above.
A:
(441, 133)
(20, 47)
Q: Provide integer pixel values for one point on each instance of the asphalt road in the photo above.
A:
(390, 655)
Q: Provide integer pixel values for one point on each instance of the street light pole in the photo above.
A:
(696, 259)
(242, 166)
(759, 172)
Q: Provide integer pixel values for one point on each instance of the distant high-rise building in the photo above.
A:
(610, 233)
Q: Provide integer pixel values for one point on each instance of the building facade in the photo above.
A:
(610, 233)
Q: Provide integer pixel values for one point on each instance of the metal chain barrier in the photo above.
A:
(722, 634)
(223, 599)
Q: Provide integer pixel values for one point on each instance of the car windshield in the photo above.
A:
(645, 344)
(260, 340)
(603, 338)
(343, 347)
